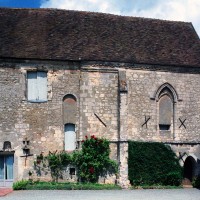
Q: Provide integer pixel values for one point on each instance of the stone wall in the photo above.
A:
(113, 102)
(142, 86)
(139, 105)
(183, 151)
(41, 124)
(99, 104)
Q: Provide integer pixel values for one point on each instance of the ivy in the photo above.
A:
(196, 182)
(153, 164)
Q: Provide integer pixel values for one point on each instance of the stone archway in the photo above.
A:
(189, 170)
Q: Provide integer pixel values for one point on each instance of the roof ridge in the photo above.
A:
(92, 12)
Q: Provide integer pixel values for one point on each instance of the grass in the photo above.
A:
(28, 185)
(39, 185)
(156, 187)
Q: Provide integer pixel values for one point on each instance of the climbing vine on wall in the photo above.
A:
(153, 164)
(91, 161)
(57, 162)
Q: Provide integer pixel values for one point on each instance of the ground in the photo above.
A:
(176, 194)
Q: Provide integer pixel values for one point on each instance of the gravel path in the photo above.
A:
(176, 194)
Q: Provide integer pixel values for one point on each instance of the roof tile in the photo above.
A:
(73, 35)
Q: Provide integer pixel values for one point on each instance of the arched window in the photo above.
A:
(69, 121)
(166, 99)
(70, 137)
(165, 112)
(6, 145)
(69, 109)
(70, 99)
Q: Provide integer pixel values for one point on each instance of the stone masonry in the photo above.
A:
(102, 105)
(116, 73)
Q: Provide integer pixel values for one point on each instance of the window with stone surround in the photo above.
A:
(69, 109)
(70, 137)
(37, 86)
(69, 120)
(166, 98)
(165, 111)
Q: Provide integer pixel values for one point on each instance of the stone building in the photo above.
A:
(67, 74)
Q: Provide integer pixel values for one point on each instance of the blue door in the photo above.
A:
(6, 170)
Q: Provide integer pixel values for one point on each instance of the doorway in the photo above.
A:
(189, 168)
(6, 170)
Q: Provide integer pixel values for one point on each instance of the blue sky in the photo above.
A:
(176, 10)
(21, 3)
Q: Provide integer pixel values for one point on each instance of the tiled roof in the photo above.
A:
(76, 35)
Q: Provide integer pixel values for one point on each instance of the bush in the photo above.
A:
(153, 164)
(93, 160)
(55, 161)
(64, 186)
(196, 182)
(20, 185)
(173, 178)
(156, 187)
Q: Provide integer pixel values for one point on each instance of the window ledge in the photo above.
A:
(164, 131)
(37, 101)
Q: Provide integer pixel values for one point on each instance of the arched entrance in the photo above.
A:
(189, 168)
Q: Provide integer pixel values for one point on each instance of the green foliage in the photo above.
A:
(65, 186)
(153, 164)
(93, 160)
(20, 185)
(55, 161)
(196, 182)
(156, 187)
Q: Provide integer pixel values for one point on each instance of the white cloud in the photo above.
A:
(185, 10)
(179, 10)
(84, 5)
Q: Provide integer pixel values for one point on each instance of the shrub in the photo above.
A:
(173, 178)
(20, 185)
(55, 161)
(156, 187)
(153, 164)
(66, 186)
(196, 182)
(93, 160)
